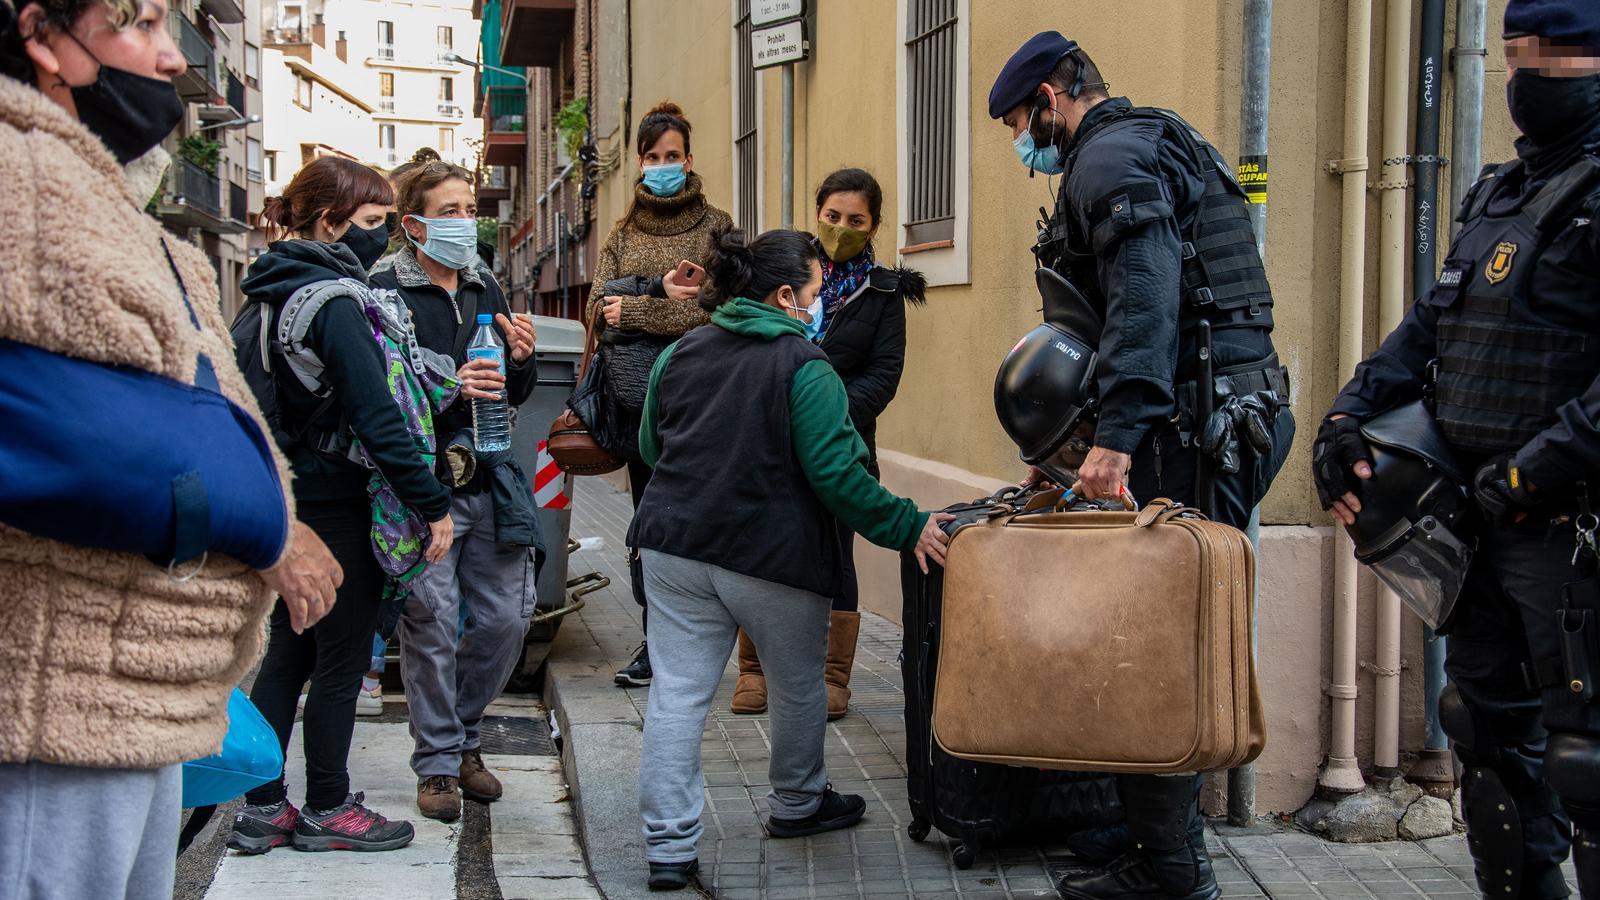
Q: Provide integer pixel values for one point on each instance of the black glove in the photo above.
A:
(1500, 491)
(1338, 448)
(1219, 441)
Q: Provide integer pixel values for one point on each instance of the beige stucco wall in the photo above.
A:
(939, 439)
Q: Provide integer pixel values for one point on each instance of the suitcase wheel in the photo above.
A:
(963, 856)
(918, 830)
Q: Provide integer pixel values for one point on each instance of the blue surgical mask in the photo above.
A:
(664, 181)
(451, 242)
(1046, 159)
(814, 312)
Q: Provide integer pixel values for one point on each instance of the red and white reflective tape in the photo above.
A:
(549, 482)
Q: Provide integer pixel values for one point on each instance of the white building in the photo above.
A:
(371, 80)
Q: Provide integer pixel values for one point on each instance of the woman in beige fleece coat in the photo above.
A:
(668, 223)
(114, 669)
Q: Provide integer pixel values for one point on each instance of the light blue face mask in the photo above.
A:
(664, 181)
(451, 242)
(1046, 159)
(814, 311)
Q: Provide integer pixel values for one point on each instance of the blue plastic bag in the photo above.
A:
(250, 757)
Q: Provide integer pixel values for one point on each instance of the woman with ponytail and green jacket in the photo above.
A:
(747, 427)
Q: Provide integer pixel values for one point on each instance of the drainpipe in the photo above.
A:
(1433, 764)
(1253, 92)
(1466, 130)
(786, 154)
(1393, 233)
(1341, 774)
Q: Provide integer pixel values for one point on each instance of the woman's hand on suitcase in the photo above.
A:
(931, 543)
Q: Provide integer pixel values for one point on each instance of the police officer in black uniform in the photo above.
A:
(1507, 344)
(1151, 226)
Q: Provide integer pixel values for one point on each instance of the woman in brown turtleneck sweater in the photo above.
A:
(669, 222)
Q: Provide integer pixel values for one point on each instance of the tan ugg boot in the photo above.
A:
(843, 627)
(750, 691)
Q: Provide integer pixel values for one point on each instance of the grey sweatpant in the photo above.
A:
(452, 675)
(696, 611)
(71, 832)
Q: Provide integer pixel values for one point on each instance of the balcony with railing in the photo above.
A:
(236, 95)
(384, 51)
(238, 205)
(533, 31)
(494, 185)
(198, 83)
(505, 117)
(386, 104)
(226, 12)
(451, 110)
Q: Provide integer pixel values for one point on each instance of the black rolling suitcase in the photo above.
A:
(981, 805)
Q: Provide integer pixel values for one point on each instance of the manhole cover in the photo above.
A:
(516, 736)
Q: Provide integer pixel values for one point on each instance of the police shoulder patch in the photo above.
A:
(1500, 263)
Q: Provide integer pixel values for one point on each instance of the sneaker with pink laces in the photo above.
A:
(350, 826)
(257, 829)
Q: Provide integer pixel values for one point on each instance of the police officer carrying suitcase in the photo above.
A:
(1507, 347)
(1152, 228)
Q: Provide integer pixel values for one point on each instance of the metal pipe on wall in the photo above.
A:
(1342, 774)
(1255, 82)
(1433, 764)
(786, 158)
(1393, 230)
(1466, 128)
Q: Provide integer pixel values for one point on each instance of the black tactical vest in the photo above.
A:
(1223, 279)
(1512, 345)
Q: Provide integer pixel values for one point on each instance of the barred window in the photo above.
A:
(930, 120)
(746, 125)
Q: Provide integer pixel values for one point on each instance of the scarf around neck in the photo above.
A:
(840, 280)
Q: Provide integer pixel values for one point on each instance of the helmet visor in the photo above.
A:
(1426, 570)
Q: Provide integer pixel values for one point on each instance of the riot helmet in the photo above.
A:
(1045, 387)
(1413, 530)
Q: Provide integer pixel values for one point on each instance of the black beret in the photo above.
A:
(1026, 69)
(1564, 21)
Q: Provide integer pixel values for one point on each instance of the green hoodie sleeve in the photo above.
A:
(834, 459)
(649, 438)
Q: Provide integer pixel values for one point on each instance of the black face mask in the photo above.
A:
(368, 244)
(128, 112)
(1552, 111)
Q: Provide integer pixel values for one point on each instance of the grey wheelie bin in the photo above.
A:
(559, 351)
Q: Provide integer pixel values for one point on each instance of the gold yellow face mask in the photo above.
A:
(841, 243)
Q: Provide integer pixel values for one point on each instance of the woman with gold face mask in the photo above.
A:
(862, 328)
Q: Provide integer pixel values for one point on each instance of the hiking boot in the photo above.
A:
(477, 782)
(439, 797)
(257, 829)
(350, 826)
(1136, 875)
(1171, 860)
(636, 673)
(672, 876)
(835, 812)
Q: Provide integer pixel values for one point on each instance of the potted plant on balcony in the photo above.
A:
(203, 153)
(572, 123)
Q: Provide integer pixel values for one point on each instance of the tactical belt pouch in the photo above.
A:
(1578, 623)
(1262, 376)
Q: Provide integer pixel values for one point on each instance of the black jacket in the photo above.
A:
(866, 343)
(1131, 267)
(445, 325)
(342, 338)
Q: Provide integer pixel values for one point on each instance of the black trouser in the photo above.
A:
(849, 599)
(638, 476)
(1505, 617)
(334, 654)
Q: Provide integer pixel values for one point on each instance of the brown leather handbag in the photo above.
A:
(1099, 641)
(573, 444)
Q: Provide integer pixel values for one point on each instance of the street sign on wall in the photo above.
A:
(766, 12)
(778, 45)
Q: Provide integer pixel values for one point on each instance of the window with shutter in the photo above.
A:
(931, 72)
(935, 95)
(746, 125)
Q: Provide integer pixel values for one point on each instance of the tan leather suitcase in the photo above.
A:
(1099, 641)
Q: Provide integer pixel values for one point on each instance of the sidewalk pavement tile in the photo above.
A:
(865, 754)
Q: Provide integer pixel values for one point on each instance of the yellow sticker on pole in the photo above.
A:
(1253, 177)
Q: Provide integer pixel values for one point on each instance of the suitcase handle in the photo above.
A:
(1162, 510)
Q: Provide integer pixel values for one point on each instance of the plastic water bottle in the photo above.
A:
(491, 419)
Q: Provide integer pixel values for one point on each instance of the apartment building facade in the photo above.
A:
(215, 185)
(372, 80)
